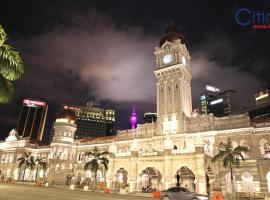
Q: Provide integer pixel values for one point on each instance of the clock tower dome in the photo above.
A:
(173, 81)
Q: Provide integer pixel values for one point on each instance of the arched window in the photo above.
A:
(57, 167)
(265, 148)
(247, 182)
(234, 144)
(243, 143)
(59, 152)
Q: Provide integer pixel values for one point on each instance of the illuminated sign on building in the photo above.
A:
(211, 88)
(29, 102)
(216, 101)
(71, 108)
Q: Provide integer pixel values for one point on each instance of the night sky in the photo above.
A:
(75, 51)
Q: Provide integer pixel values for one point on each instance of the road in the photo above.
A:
(25, 192)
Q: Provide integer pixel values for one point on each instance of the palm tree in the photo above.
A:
(27, 160)
(230, 156)
(98, 160)
(40, 163)
(11, 68)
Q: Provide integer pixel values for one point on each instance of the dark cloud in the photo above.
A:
(215, 62)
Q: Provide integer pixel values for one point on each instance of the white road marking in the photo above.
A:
(16, 197)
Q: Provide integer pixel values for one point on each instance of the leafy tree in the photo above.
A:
(230, 156)
(98, 161)
(27, 160)
(41, 164)
(11, 68)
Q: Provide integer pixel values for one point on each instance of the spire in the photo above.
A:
(171, 35)
(133, 118)
(171, 28)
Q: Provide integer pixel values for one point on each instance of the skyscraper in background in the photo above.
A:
(92, 120)
(216, 102)
(261, 113)
(262, 98)
(32, 119)
(206, 98)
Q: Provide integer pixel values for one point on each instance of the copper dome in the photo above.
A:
(67, 114)
(171, 35)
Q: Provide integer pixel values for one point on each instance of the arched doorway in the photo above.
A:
(16, 174)
(151, 178)
(78, 179)
(121, 178)
(247, 182)
(27, 175)
(185, 178)
(209, 175)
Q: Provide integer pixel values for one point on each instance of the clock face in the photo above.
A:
(184, 61)
(168, 58)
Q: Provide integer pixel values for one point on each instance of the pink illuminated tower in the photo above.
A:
(133, 119)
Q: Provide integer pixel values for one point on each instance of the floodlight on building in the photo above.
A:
(216, 101)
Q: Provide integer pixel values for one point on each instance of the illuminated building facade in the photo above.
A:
(218, 103)
(262, 111)
(206, 99)
(262, 98)
(180, 142)
(32, 119)
(92, 121)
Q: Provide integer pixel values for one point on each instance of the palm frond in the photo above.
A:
(3, 36)
(21, 162)
(6, 90)
(104, 160)
(94, 165)
(242, 149)
(11, 63)
(89, 154)
(218, 156)
(21, 158)
(98, 160)
(104, 153)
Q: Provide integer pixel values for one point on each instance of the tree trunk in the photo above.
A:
(36, 174)
(24, 173)
(232, 183)
(95, 181)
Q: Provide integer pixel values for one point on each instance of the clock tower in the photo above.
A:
(173, 81)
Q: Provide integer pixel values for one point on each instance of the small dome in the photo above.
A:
(13, 136)
(67, 114)
(171, 35)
